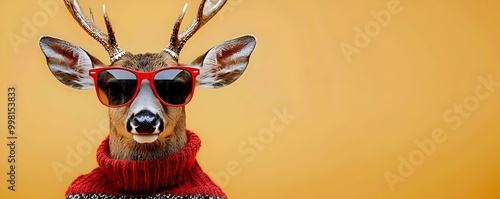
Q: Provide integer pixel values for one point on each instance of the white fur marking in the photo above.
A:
(145, 100)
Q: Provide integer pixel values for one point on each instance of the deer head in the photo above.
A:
(146, 92)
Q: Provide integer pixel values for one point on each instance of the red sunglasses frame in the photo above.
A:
(94, 72)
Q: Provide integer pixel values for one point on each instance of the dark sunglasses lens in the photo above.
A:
(116, 86)
(174, 86)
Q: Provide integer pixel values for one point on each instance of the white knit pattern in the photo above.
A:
(158, 196)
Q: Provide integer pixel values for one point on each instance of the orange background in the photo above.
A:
(355, 122)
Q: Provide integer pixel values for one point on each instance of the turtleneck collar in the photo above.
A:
(150, 175)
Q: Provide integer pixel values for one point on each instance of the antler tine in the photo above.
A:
(117, 52)
(205, 12)
(175, 32)
(106, 40)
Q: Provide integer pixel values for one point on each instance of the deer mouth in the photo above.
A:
(141, 138)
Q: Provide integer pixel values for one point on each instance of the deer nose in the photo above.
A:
(145, 122)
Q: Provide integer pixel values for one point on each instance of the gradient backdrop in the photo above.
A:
(342, 99)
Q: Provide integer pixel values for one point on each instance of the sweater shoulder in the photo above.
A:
(198, 183)
(94, 182)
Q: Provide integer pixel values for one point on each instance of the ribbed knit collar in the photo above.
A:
(150, 175)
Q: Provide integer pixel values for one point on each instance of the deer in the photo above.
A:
(149, 152)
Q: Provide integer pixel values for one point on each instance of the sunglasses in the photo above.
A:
(118, 86)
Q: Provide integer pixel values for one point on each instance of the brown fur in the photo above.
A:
(172, 139)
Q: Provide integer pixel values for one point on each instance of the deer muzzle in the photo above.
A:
(145, 126)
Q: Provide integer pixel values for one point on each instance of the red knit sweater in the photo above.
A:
(175, 176)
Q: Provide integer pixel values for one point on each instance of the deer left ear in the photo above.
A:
(69, 63)
(224, 63)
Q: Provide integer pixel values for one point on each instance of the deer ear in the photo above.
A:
(70, 64)
(224, 63)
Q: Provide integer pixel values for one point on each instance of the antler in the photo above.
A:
(205, 12)
(106, 40)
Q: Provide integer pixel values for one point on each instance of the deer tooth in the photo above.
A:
(145, 138)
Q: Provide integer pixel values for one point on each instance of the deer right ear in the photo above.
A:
(224, 63)
(70, 64)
